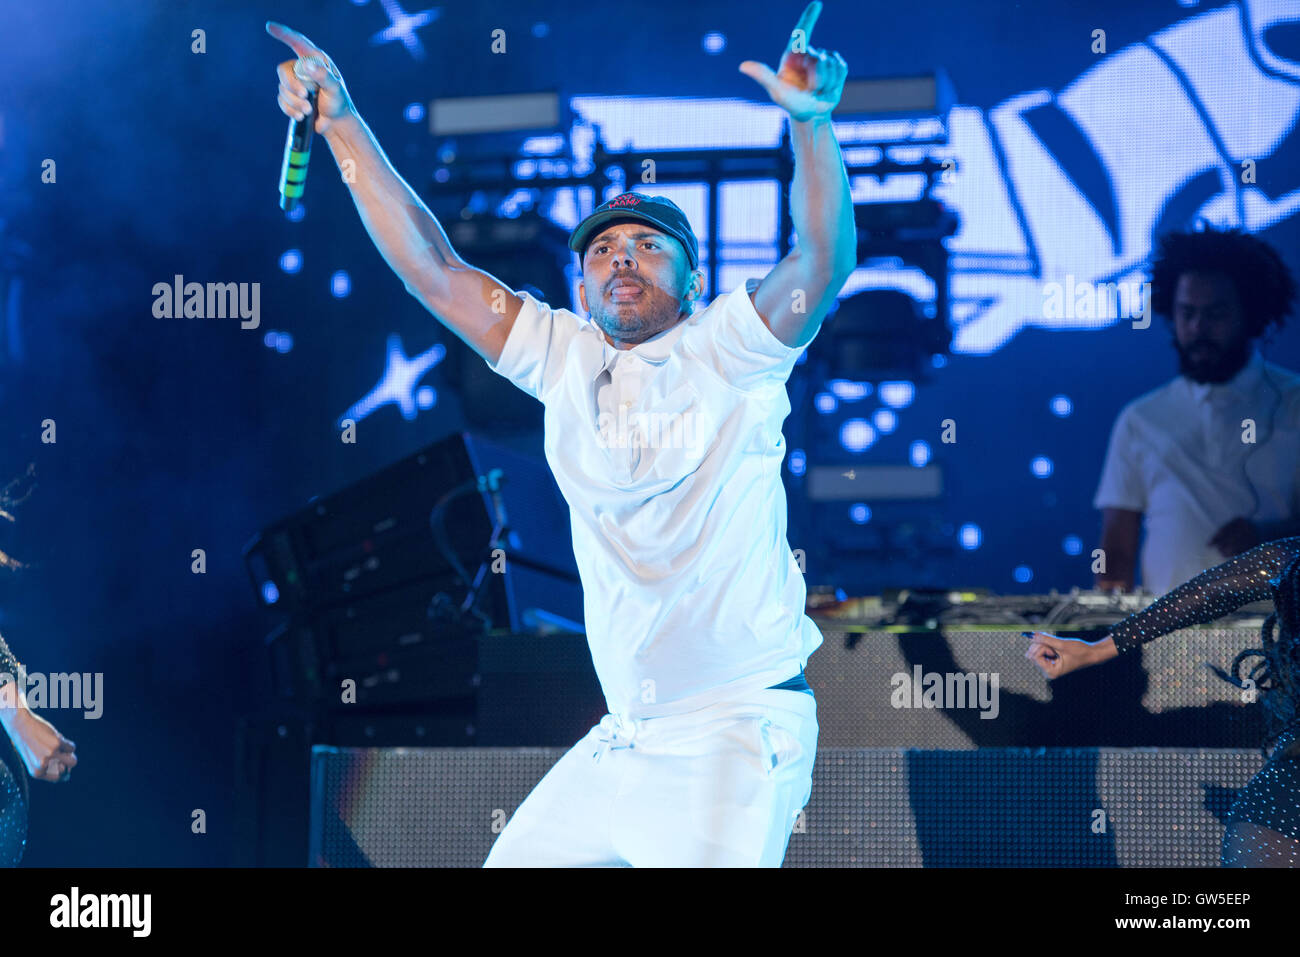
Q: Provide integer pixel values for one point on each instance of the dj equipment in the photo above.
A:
(1076, 610)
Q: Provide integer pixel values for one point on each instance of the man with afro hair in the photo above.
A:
(1210, 461)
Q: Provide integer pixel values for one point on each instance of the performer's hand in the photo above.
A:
(1238, 536)
(1059, 656)
(808, 82)
(315, 71)
(49, 756)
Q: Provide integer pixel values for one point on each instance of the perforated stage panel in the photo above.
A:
(993, 807)
(1166, 696)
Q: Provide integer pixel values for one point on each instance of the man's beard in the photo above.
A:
(1212, 364)
(655, 311)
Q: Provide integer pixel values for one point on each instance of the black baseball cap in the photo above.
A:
(658, 211)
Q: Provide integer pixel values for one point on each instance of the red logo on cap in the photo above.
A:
(627, 199)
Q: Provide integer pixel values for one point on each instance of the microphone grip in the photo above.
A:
(297, 151)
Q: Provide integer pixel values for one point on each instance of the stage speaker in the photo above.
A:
(377, 535)
(390, 581)
(272, 789)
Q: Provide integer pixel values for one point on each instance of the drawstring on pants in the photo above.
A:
(615, 733)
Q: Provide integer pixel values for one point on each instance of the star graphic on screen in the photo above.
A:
(399, 384)
(402, 26)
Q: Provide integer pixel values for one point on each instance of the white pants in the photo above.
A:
(718, 787)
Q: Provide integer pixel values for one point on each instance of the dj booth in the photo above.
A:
(429, 653)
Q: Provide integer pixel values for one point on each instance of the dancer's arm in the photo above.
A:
(1215, 592)
(47, 754)
(475, 305)
(10, 669)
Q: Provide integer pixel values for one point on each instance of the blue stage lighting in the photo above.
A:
(897, 394)
(414, 112)
(340, 284)
(919, 453)
(885, 421)
(543, 145)
(283, 342)
(847, 391)
(857, 435)
(1073, 544)
(825, 403)
(1062, 406)
(714, 42)
(426, 397)
(1023, 574)
(1041, 466)
(291, 261)
(970, 536)
(798, 462)
(296, 214)
(270, 594)
(860, 514)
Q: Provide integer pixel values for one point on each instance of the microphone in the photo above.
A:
(297, 151)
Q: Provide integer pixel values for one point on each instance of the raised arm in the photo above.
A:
(475, 305)
(795, 296)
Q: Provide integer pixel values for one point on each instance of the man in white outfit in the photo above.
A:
(663, 430)
(1209, 463)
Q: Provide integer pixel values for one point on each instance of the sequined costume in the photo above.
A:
(1263, 824)
(13, 780)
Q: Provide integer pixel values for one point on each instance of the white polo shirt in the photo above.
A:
(1178, 455)
(669, 455)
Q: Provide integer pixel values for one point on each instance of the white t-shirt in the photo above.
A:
(1180, 455)
(691, 591)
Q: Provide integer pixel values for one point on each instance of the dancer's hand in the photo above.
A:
(48, 755)
(808, 82)
(1059, 656)
(317, 73)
